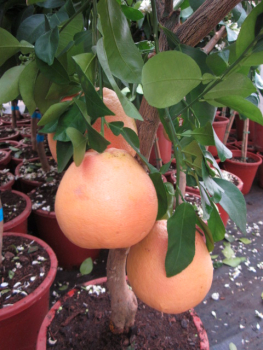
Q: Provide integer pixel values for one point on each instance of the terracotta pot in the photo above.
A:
(239, 127)
(19, 224)
(26, 186)
(165, 147)
(260, 171)
(7, 119)
(14, 136)
(68, 254)
(5, 145)
(258, 137)
(245, 171)
(219, 126)
(250, 146)
(20, 323)
(5, 159)
(42, 336)
(8, 185)
(231, 146)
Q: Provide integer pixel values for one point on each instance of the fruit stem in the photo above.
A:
(123, 301)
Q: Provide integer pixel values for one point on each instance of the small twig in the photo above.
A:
(212, 43)
(229, 126)
(245, 140)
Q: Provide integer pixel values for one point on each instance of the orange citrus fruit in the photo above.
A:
(111, 100)
(52, 144)
(147, 276)
(107, 202)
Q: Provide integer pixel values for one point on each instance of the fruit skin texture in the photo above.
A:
(147, 277)
(52, 145)
(107, 202)
(111, 100)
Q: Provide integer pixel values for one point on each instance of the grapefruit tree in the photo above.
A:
(82, 49)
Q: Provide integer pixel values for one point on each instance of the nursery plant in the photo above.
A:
(156, 63)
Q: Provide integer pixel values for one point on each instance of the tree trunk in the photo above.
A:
(123, 300)
(1, 230)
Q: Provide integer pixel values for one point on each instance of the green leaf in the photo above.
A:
(232, 346)
(218, 62)
(26, 84)
(31, 28)
(216, 225)
(228, 252)
(203, 135)
(42, 87)
(79, 144)
(131, 137)
(248, 30)
(55, 72)
(234, 84)
(95, 106)
(172, 38)
(181, 239)
(116, 127)
(208, 233)
(128, 106)
(51, 4)
(242, 106)
(214, 190)
(168, 77)
(8, 47)
(245, 240)
(234, 262)
(161, 194)
(46, 46)
(54, 112)
(170, 200)
(145, 46)
(9, 87)
(223, 152)
(125, 60)
(64, 154)
(71, 118)
(96, 140)
(86, 267)
(82, 108)
(131, 13)
(63, 288)
(86, 62)
(233, 203)
(195, 4)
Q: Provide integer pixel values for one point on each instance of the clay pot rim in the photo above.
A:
(9, 138)
(41, 289)
(12, 181)
(27, 181)
(238, 153)
(24, 215)
(220, 120)
(42, 335)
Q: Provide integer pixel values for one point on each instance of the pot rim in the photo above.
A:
(249, 154)
(9, 183)
(42, 334)
(41, 289)
(24, 215)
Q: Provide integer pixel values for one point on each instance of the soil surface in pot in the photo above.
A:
(23, 118)
(5, 177)
(239, 159)
(83, 323)
(23, 152)
(24, 267)
(13, 205)
(33, 171)
(6, 132)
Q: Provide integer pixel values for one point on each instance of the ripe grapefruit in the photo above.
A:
(112, 102)
(52, 144)
(107, 202)
(147, 276)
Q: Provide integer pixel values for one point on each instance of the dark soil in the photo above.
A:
(6, 132)
(83, 323)
(22, 119)
(23, 152)
(239, 159)
(5, 145)
(2, 155)
(23, 269)
(33, 171)
(5, 177)
(13, 205)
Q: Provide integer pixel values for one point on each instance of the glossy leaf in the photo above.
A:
(255, 59)
(50, 127)
(51, 4)
(86, 267)
(9, 45)
(54, 112)
(95, 106)
(9, 87)
(216, 225)
(208, 234)
(203, 135)
(131, 13)
(31, 28)
(247, 33)
(223, 152)
(233, 202)
(195, 4)
(181, 239)
(234, 84)
(218, 62)
(57, 91)
(234, 262)
(46, 46)
(170, 200)
(57, 18)
(27, 85)
(86, 62)
(168, 77)
(161, 194)
(116, 127)
(64, 154)
(124, 58)
(197, 55)
(79, 144)
(145, 46)
(128, 106)
(214, 190)
(172, 38)
(96, 141)
(55, 72)
(82, 108)
(242, 106)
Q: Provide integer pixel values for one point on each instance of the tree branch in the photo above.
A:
(211, 44)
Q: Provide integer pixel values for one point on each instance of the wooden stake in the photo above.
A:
(229, 126)
(245, 140)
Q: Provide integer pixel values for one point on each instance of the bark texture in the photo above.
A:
(123, 301)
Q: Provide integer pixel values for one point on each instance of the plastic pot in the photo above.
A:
(250, 146)
(7, 144)
(245, 171)
(19, 224)
(26, 185)
(165, 147)
(42, 336)
(13, 136)
(20, 323)
(239, 127)
(8, 185)
(68, 254)
(5, 159)
(258, 139)
(219, 126)
(260, 171)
